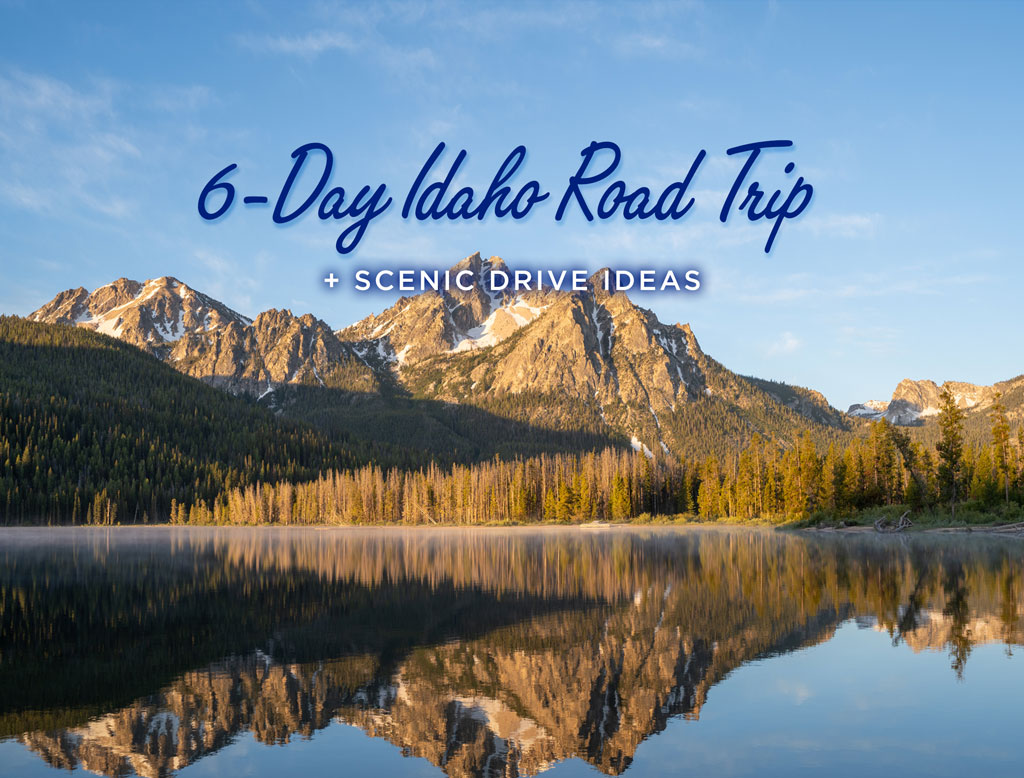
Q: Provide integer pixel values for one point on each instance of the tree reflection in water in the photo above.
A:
(485, 652)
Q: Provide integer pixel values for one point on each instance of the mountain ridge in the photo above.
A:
(913, 402)
(592, 353)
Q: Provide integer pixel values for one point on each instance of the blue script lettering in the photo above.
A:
(636, 204)
(364, 208)
(790, 209)
(594, 189)
(431, 203)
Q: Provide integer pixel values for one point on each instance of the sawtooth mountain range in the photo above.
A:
(592, 362)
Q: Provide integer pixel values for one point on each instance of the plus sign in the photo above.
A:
(331, 280)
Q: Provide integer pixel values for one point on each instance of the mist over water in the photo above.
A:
(483, 652)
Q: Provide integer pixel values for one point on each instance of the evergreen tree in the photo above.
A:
(1001, 443)
(620, 498)
(707, 493)
(984, 486)
(950, 446)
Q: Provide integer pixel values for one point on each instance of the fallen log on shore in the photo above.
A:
(882, 524)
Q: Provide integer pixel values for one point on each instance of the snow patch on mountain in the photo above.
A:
(638, 445)
(481, 336)
(501, 323)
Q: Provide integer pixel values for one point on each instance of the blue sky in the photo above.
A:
(907, 119)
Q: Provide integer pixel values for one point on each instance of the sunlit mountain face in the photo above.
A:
(485, 653)
(591, 362)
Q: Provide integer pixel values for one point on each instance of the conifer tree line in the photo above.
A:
(765, 480)
(94, 431)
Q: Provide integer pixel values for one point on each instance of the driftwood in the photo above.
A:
(1009, 529)
(883, 525)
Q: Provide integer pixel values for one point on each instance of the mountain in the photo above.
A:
(153, 316)
(807, 402)
(915, 402)
(588, 362)
(202, 337)
(92, 429)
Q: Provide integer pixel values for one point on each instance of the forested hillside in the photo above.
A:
(94, 430)
(416, 431)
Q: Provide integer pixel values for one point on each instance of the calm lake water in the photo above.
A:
(160, 652)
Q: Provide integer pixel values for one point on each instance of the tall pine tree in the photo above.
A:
(1001, 443)
(950, 446)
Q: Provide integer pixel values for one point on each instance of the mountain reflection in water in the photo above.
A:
(488, 653)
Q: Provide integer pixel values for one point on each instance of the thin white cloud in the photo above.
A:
(406, 63)
(695, 240)
(182, 99)
(872, 338)
(62, 146)
(906, 281)
(403, 241)
(29, 100)
(486, 20)
(445, 125)
(797, 691)
(221, 278)
(786, 343)
(841, 225)
(24, 196)
(308, 45)
(641, 43)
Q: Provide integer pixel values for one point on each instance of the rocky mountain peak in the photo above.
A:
(570, 358)
(597, 281)
(915, 401)
(66, 308)
(446, 321)
(152, 315)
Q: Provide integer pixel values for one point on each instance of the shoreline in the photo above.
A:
(1015, 530)
(1011, 530)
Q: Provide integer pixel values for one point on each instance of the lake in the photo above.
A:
(643, 652)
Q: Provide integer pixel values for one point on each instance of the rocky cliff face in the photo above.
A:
(153, 316)
(204, 338)
(452, 320)
(593, 353)
(913, 402)
(587, 344)
(935, 631)
(510, 703)
(277, 348)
